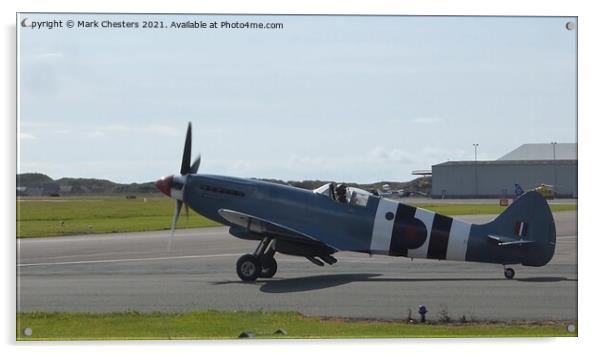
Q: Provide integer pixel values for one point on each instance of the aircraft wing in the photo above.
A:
(260, 226)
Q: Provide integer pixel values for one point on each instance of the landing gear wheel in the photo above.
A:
(268, 269)
(509, 273)
(248, 267)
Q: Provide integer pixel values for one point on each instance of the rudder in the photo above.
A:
(529, 221)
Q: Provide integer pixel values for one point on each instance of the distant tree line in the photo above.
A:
(38, 184)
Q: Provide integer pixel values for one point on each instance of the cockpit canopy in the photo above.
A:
(352, 195)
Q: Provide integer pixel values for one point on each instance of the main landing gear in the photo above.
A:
(260, 264)
(508, 273)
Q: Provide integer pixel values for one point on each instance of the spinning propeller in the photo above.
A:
(173, 186)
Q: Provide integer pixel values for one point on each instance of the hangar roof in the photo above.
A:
(563, 151)
(509, 162)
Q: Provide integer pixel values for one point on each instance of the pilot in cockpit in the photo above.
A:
(341, 193)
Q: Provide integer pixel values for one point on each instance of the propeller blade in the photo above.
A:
(195, 165)
(187, 147)
(176, 215)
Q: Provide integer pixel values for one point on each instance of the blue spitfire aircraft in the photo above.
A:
(317, 224)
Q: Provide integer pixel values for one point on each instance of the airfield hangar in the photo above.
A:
(529, 165)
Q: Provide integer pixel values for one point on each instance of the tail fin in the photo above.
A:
(527, 223)
(518, 190)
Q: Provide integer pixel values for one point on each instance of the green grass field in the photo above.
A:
(37, 217)
(228, 325)
(69, 216)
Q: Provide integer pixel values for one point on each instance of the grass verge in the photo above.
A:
(75, 216)
(228, 325)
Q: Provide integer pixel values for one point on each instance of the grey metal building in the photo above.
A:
(530, 165)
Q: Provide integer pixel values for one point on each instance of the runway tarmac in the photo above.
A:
(119, 272)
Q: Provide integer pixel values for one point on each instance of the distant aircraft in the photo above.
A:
(388, 192)
(317, 224)
(546, 190)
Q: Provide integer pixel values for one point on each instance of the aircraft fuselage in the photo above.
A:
(381, 226)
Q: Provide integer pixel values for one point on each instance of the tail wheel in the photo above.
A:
(248, 267)
(509, 273)
(268, 268)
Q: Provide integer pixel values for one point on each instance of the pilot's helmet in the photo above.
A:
(341, 188)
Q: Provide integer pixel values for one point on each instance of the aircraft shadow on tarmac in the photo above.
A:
(317, 282)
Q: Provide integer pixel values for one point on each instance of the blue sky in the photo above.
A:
(327, 97)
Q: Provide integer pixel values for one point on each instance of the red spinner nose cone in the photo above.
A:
(164, 185)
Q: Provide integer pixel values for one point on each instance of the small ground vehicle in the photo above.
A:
(546, 190)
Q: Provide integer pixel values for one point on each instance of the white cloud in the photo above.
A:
(153, 129)
(50, 55)
(26, 136)
(30, 124)
(392, 155)
(162, 130)
(315, 161)
(241, 165)
(426, 120)
(96, 134)
(115, 128)
(441, 155)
